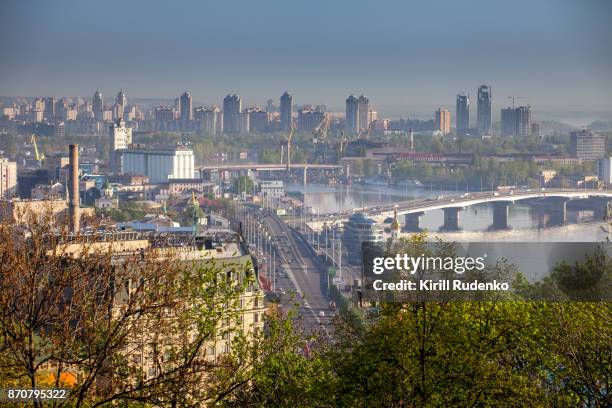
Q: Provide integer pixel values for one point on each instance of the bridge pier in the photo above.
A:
(500, 215)
(558, 211)
(412, 222)
(451, 219)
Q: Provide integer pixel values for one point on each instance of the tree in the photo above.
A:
(78, 314)
(243, 184)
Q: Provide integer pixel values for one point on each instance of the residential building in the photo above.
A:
(210, 119)
(120, 105)
(120, 138)
(363, 106)
(442, 121)
(232, 109)
(8, 178)
(186, 112)
(352, 115)
(309, 119)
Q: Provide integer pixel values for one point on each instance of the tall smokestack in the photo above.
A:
(411, 139)
(73, 183)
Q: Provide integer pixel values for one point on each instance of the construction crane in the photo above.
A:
(514, 98)
(287, 143)
(37, 155)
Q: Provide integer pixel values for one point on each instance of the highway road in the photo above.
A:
(300, 272)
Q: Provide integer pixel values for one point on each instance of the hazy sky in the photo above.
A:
(402, 54)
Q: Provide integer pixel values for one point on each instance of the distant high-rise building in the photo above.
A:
(211, 121)
(120, 104)
(163, 114)
(363, 104)
(443, 121)
(286, 111)
(508, 122)
(352, 115)
(523, 121)
(98, 106)
(484, 110)
(516, 121)
(50, 108)
(120, 138)
(587, 145)
(8, 178)
(186, 108)
(535, 130)
(604, 170)
(309, 119)
(270, 106)
(232, 107)
(259, 120)
(462, 114)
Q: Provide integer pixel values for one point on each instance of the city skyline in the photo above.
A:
(212, 51)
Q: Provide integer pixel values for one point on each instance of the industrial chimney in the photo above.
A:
(73, 185)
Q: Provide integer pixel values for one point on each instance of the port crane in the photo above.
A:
(286, 146)
(37, 155)
(320, 137)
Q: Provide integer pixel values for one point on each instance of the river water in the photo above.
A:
(474, 221)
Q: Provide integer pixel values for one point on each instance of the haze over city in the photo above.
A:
(408, 58)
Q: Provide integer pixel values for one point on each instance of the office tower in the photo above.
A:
(186, 107)
(484, 110)
(516, 121)
(232, 107)
(363, 104)
(523, 121)
(98, 106)
(352, 115)
(8, 178)
(443, 121)
(120, 104)
(587, 145)
(286, 111)
(462, 114)
(120, 138)
(50, 108)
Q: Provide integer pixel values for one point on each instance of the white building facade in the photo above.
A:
(159, 165)
(604, 170)
(8, 178)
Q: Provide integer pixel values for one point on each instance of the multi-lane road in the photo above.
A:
(300, 272)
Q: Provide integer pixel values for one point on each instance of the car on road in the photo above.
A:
(321, 313)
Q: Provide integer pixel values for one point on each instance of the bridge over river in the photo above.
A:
(553, 200)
